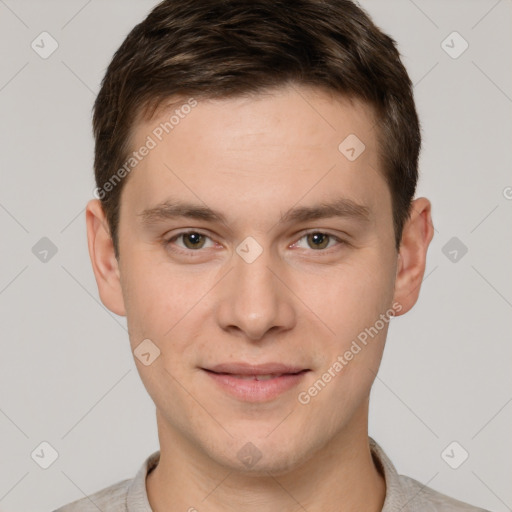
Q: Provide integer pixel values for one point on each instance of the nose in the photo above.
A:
(254, 299)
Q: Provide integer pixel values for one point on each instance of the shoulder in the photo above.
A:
(110, 499)
(428, 500)
(127, 494)
(405, 494)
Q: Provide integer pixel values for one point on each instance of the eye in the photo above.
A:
(318, 240)
(192, 241)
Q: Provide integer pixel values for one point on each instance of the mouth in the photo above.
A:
(260, 383)
(258, 377)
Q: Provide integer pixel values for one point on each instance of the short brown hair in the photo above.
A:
(228, 48)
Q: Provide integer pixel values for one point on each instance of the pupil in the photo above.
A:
(319, 237)
(193, 238)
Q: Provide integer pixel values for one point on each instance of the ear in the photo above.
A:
(416, 236)
(104, 262)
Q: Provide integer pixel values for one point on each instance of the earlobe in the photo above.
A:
(104, 263)
(416, 237)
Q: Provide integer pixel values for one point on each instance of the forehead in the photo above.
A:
(307, 112)
(283, 145)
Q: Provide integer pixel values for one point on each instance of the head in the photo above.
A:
(285, 142)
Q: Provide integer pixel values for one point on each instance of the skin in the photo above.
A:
(252, 159)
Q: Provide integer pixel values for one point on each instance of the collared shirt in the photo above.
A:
(403, 494)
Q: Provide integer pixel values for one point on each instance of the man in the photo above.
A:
(256, 164)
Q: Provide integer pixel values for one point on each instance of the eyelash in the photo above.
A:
(167, 242)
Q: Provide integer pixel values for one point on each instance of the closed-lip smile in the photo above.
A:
(256, 382)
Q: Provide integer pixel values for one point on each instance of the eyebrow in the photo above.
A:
(172, 209)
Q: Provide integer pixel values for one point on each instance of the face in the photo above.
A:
(227, 258)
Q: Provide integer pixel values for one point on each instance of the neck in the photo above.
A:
(340, 476)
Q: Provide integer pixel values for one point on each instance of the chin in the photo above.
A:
(260, 456)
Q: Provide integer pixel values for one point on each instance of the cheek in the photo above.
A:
(338, 390)
(153, 299)
(356, 303)
(351, 296)
(162, 304)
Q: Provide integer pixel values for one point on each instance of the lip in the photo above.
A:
(227, 377)
(255, 369)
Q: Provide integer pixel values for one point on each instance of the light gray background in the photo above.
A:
(67, 376)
